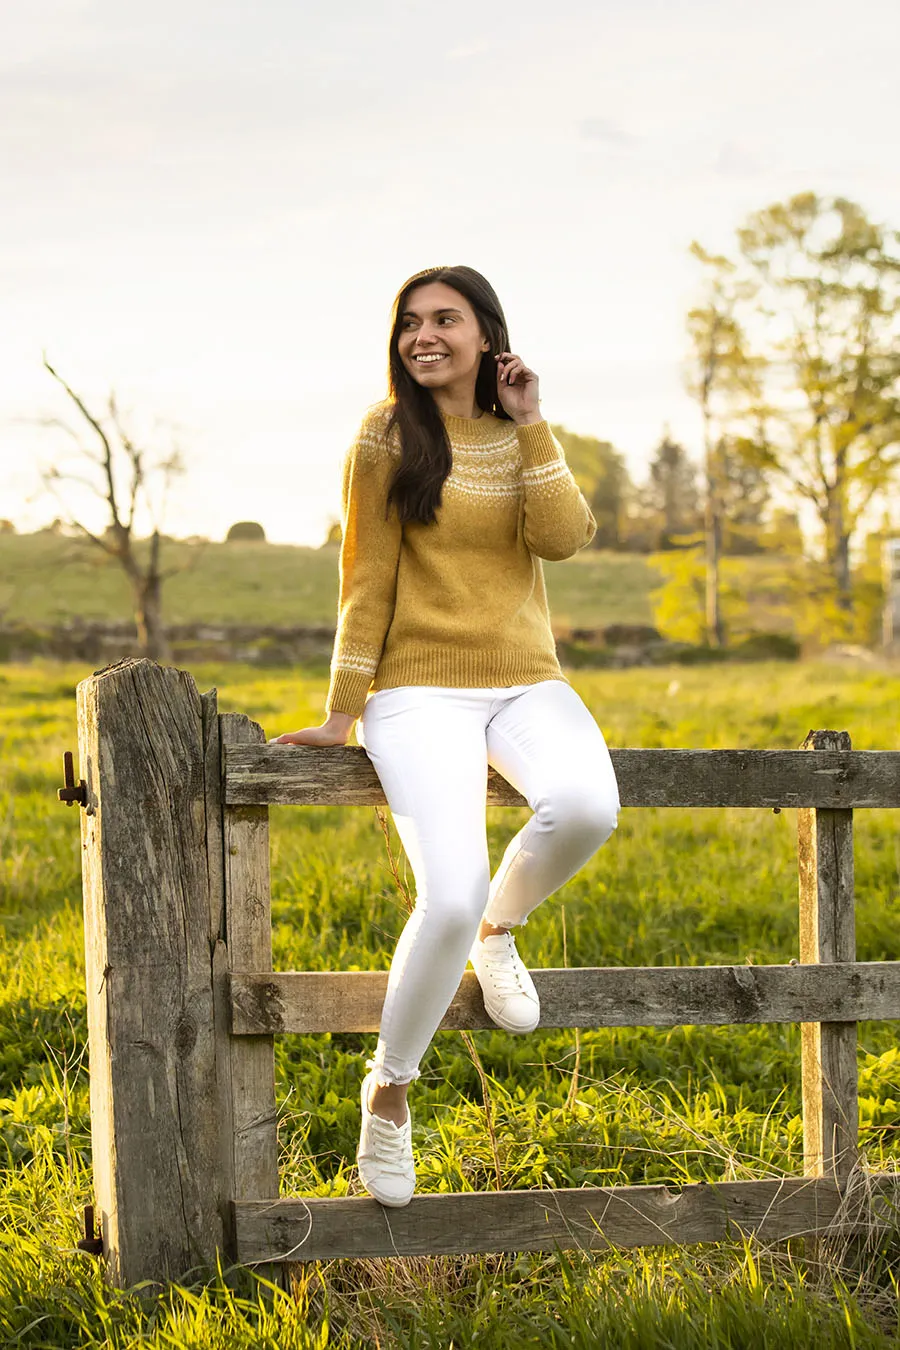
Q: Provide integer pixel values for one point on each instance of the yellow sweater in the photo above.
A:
(462, 601)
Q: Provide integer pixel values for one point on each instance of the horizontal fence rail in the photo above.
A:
(305, 775)
(266, 1003)
(183, 1004)
(592, 1218)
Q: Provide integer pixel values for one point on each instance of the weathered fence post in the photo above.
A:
(147, 906)
(828, 933)
(252, 1119)
(241, 939)
(183, 1003)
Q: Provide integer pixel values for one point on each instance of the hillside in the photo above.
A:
(45, 579)
(49, 580)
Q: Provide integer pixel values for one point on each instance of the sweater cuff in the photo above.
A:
(347, 693)
(537, 445)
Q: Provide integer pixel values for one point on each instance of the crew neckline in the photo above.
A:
(477, 428)
(453, 418)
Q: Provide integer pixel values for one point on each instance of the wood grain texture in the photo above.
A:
(215, 866)
(183, 1003)
(249, 946)
(154, 1120)
(828, 935)
(590, 1219)
(649, 996)
(306, 775)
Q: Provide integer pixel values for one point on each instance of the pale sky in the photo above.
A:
(209, 208)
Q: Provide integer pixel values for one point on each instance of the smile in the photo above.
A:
(430, 358)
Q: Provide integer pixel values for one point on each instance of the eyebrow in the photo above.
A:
(411, 313)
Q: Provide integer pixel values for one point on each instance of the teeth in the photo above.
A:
(435, 356)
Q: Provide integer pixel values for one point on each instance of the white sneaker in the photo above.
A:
(384, 1156)
(510, 998)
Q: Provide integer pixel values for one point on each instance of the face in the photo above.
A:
(439, 338)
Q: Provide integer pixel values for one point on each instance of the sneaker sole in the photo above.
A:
(506, 1026)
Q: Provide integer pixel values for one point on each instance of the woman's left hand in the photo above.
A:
(517, 389)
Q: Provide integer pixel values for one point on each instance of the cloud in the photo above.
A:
(606, 132)
(733, 161)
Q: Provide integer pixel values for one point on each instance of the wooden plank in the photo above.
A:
(215, 866)
(154, 1120)
(828, 935)
(591, 1218)
(265, 1002)
(249, 945)
(305, 775)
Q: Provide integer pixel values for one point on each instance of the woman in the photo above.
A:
(453, 492)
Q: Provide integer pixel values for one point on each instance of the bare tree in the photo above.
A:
(121, 479)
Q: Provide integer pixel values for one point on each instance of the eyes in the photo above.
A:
(408, 324)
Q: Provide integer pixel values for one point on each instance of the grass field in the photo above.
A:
(620, 1105)
(267, 584)
(45, 579)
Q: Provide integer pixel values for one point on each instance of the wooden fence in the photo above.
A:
(183, 1004)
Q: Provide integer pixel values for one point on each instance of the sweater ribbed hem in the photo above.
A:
(459, 669)
(347, 693)
(536, 445)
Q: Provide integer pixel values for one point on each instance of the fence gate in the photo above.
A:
(183, 1004)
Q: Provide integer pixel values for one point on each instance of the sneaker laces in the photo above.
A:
(502, 966)
(392, 1151)
(393, 1142)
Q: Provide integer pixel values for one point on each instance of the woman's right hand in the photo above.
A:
(334, 731)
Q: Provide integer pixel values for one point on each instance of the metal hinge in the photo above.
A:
(90, 1243)
(70, 793)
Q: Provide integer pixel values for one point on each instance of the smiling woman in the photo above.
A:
(453, 492)
(447, 349)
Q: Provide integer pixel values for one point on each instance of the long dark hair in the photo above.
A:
(425, 458)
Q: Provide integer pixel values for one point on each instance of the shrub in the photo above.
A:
(246, 530)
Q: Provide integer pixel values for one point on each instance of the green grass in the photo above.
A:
(646, 1105)
(45, 579)
(49, 580)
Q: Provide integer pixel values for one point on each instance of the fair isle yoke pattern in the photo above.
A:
(486, 623)
(491, 469)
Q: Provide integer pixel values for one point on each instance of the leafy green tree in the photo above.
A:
(672, 492)
(719, 371)
(826, 315)
(601, 473)
(783, 534)
(744, 493)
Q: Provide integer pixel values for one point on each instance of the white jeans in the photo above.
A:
(431, 747)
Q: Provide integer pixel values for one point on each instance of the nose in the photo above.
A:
(426, 337)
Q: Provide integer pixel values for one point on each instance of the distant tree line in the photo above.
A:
(664, 510)
(793, 357)
(795, 364)
(794, 360)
